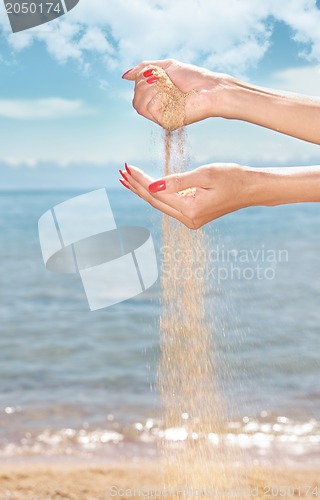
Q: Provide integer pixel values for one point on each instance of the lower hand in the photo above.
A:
(219, 190)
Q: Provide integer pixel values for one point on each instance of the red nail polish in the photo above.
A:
(124, 74)
(153, 79)
(147, 73)
(127, 169)
(123, 175)
(125, 185)
(157, 186)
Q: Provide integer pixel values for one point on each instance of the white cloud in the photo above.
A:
(94, 40)
(303, 80)
(304, 19)
(37, 109)
(231, 36)
(228, 36)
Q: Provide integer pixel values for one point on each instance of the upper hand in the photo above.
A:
(206, 101)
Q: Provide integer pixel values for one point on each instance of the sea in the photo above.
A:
(77, 384)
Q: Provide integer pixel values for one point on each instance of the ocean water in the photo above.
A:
(82, 384)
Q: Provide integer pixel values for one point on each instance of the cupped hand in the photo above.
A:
(207, 90)
(218, 189)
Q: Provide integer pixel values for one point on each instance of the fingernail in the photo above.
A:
(128, 169)
(157, 186)
(123, 175)
(125, 185)
(147, 73)
(124, 74)
(153, 79)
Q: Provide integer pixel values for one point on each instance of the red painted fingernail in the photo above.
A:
(123, 175)
(125, 185)
(157, 186)
(147, 73)
(124, 74)
(128, 169)
(153, 79)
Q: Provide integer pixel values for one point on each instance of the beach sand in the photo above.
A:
(95, 481)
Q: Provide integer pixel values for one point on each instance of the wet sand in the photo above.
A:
(100, 481)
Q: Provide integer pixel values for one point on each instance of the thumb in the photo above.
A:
(179, 182)
(132, 73)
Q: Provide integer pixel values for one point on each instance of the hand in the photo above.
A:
(207, 99)
(223, 188)
(220, 189)
(220, 95)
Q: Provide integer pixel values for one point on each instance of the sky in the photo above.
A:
(66, 117)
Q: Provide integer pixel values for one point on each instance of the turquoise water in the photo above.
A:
(82, 383)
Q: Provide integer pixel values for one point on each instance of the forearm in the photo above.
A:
(279, 186)
(290, 114)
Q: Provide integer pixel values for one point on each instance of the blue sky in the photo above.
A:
(65, 113)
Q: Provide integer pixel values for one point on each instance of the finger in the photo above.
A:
(143, 193)
(147, 99)
(132, 73)
(181, 206)
(128, 186)
(179, 182)
(135, 176)
(164, 208)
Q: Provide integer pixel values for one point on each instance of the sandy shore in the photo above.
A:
(20, 481)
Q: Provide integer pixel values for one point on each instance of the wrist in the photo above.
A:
(263, 187)
(246, 102)
(281, 185)
(220, 90)
(233, 98)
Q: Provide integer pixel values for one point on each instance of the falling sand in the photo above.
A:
(192, 408)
